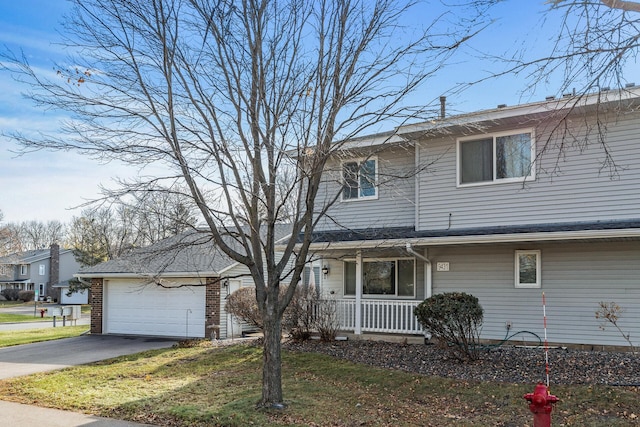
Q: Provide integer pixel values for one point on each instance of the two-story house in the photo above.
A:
(504, 204)
(46, 271)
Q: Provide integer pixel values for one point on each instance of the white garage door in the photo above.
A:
(134, 308)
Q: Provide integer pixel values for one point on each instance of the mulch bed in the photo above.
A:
(506, 364)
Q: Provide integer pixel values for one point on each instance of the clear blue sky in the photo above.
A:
(43, 186)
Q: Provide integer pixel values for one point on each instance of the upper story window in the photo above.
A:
(500, 157)
(359, 179)
(384, 277)
(41, 269)
(23, 270)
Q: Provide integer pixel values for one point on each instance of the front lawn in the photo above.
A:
(4, 304)
(27, 336)
(18, 318)
(207, 386)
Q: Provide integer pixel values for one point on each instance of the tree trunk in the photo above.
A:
(272, 363)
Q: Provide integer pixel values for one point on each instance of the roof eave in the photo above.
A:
(132, 275)
(482, 239)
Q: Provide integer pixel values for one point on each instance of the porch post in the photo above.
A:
(358, 328)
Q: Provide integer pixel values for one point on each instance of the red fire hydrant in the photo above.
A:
(541, 404)
(42, 312)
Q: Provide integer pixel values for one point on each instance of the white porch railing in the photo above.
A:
(383, 316)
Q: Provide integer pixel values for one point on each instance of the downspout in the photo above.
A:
(428, 279)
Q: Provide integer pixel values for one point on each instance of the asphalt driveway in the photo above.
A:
(51, 355)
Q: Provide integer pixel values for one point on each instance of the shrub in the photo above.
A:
(11, 294)
(326, 319)
(242, 304)
(610, 312)
(454, 319)
(301, 315)
(26, 296)
(305, 313)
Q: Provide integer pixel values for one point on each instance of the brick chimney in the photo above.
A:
(54, 268)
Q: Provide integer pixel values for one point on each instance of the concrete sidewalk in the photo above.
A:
(19, 415)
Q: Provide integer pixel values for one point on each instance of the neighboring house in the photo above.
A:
(502, 204)
(43, 270)
(174, 288)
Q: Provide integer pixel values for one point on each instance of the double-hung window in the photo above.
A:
(359, 179)
(23, 270)
(384, 277)
(500, 157)
(527, 269)
(41, 269)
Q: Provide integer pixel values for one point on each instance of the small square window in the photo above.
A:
(527, 269)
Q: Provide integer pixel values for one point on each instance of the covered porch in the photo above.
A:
(377, 290)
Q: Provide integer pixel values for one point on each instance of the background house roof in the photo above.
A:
(29, 257)
(191, 253)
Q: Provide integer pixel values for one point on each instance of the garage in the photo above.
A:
(141, 308)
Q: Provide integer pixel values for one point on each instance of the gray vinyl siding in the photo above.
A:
(574, 186)
(575, 278)
(68, 266)
(394, 206)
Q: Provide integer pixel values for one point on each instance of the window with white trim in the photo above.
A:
(382, 277)
(41, 269)
(23, 270)
(359, 179)
(500, 157)
(527, 269)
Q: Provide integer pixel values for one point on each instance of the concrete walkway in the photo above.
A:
(18, 415)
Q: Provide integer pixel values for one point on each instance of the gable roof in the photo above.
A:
(29, 257)
(192, 253)
(626, 99)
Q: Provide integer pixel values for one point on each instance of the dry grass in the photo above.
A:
(205, 386)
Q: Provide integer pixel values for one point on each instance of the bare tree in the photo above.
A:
(226, 95)
(594, 43)
(31, 235)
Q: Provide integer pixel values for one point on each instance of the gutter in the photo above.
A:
(543, 236)
(428, 271)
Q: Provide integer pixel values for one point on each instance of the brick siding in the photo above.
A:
(96, 305)
(212, 308)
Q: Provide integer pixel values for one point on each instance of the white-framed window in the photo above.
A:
(496, 158)
(528, 269)
(359, 179)
(23, 270)
(41, 269)
(382, 277)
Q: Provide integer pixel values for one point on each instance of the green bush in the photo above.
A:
(454, 320)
